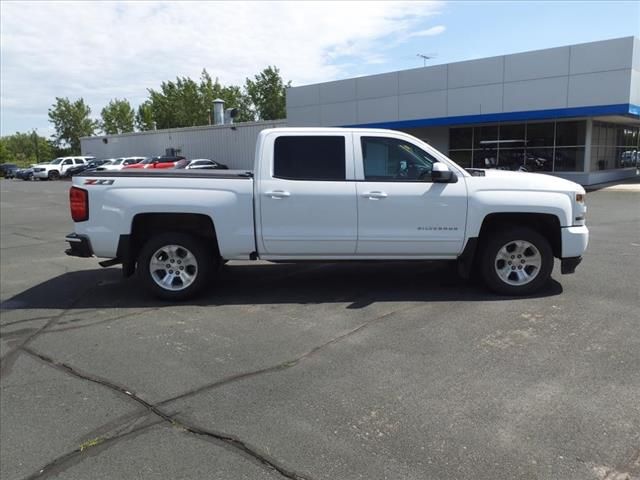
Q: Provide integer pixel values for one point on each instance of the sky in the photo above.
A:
(105, 50)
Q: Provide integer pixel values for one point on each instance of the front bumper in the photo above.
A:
(42, 174)
(80, 246)
(574, 241)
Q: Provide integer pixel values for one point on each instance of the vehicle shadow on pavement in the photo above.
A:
(358, 284)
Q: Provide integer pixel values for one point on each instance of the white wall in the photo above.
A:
(590, 74)
(233, 145)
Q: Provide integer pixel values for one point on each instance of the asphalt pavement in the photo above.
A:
(316, 371)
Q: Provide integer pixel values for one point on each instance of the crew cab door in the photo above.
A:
(401, 211)
(306, 196)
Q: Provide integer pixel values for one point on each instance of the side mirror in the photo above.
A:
(441, 174)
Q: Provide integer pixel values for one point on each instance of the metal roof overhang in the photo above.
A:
(627, 110)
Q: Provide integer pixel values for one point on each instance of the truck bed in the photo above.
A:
(117, 198)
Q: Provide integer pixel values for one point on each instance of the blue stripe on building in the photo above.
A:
(618, 109)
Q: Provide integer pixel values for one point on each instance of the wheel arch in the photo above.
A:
(547, 224)
(146, 225)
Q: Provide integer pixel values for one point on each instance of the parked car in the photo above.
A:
(57, 168)
(331, 194)
(119, 163)
(9, 170)
(202, 164)
(25, 173)
(93, 164)
(164, 161)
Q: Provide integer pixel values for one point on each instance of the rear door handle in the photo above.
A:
(277, 194)
(377, 195)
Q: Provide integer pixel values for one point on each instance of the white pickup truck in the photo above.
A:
(330, 194)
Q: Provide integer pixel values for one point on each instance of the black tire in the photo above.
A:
(206, 265)
(54, 175)
(490, 262)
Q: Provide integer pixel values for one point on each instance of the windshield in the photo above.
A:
(57, 161)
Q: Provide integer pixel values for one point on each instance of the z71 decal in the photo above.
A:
(95, 181)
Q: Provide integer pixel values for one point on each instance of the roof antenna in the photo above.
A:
(426, 57)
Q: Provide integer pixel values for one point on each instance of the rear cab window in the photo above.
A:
(317, 158)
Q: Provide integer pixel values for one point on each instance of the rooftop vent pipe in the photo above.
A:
(218, 111)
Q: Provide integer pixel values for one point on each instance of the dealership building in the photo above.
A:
(572, 111)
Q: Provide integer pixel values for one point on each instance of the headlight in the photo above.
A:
(580, 209)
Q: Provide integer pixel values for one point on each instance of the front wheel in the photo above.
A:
(175, 266)
(54, 175)
(516, 261)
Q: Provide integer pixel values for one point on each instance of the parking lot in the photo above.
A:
(316, 371)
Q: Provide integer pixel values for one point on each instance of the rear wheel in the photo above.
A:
(516, 261)
(54, 175)
(175, 266)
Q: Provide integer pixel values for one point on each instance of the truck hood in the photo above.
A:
(40, 165)
(514, 180)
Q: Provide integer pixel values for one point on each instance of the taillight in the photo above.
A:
(79, 203)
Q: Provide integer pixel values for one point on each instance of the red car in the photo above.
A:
(158, 162)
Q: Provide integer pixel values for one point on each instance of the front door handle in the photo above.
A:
(377, 195)
(277, 194)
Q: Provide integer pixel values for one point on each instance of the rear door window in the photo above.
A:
(310, 158)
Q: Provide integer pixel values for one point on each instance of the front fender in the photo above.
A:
(486, 202)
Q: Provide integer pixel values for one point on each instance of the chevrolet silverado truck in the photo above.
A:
(330, 194)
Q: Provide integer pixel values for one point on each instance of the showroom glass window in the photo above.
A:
(461, 146)
(614, 145)
(531, 146)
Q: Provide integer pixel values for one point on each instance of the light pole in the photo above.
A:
(35, 141)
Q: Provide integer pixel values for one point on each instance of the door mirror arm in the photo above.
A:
(442, 174)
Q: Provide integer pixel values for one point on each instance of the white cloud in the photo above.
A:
(102, 50)
(429, 32)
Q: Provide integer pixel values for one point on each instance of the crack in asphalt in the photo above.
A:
(225, 438)
(100, 322)
(234, 442)
(287, 363)
(24, 320)
(7, 361)
(21, 332)
(69, 459)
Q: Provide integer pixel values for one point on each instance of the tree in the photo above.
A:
(267, 94)
(177, 104)
(232, 95)
(25, 148)
(185, 102)
(71, 121)
(117, 117)
(144, 117)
